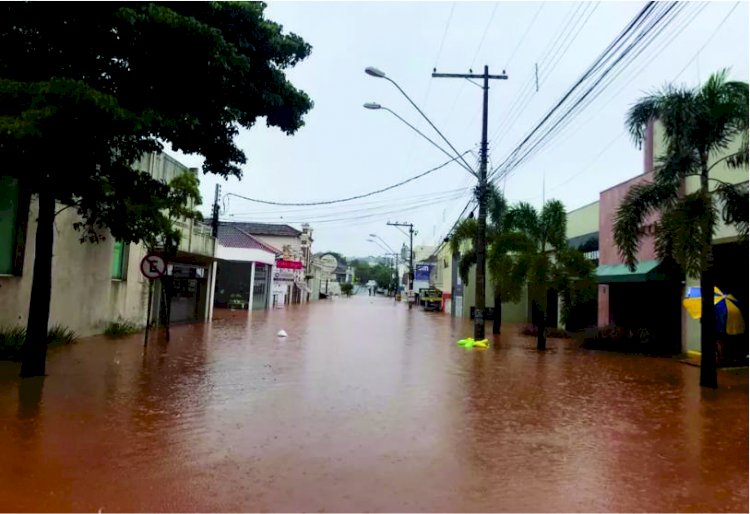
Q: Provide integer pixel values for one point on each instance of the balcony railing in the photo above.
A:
(196, 238)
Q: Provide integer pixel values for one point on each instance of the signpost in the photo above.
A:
(152, 267)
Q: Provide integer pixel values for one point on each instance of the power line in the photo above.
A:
(546, 136)
(429, 83)
(317, 214)
(716, 31)
(484, 35)
(647, 36)
(445, 33)
(476, 54)
(632, 76)
(644, 14)
(358, 218)
(360, 205)
(527, 93)
(673, 35)
(523, 38)
(356, 197)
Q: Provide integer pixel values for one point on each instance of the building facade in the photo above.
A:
(290, 274)
(94, 284)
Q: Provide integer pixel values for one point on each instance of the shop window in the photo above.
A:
(13, 215)
(119, 260)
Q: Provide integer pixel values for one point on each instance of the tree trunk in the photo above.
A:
(497, 320)
(35, 347)
(541, 339)
(708, 315)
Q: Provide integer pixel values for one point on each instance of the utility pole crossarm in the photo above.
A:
(467, 76)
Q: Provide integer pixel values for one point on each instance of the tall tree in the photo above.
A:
(545, 261)
(86, 89)
(699, 125)
(502, 241)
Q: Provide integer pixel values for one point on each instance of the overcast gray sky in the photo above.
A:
(344, 149)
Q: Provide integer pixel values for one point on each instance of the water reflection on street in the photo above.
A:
(366, 406)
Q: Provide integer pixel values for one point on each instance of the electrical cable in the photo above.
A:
(653, 55)
(318, 214)
(360, 205)
(716, 30)
(643, 15)
(516, 159)
(358, 218)
(356, 197)
(523, 38)
(649, 35)
(523, 100)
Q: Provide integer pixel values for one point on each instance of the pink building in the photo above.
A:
(649, 297)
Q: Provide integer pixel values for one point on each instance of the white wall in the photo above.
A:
(244, 255)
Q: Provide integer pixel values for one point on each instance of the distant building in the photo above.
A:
(289, 275)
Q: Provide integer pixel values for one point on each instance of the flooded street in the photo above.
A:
(366, 406)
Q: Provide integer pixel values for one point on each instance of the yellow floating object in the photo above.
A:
(484, 343)
(469, 342)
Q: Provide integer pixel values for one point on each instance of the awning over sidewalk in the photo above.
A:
(303, 287)
(645, 271)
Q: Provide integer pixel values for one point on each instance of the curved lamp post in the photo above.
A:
(373, 106)
(374, 72)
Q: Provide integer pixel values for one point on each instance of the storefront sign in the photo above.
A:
(422, 272)
(283, 276)
(284, 264)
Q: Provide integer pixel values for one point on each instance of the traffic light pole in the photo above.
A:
(481, 194)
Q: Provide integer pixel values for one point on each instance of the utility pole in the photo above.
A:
(481, 193)
(411, 252)
(215, 213)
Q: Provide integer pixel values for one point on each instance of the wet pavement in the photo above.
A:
(366, 406)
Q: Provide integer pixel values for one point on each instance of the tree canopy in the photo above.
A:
(85, 89)
(699, 125)
(544, 260)
(88, 88)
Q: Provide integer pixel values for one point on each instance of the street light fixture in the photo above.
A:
(374, 72)
(373, 106)
(394, 257)
(375, 236)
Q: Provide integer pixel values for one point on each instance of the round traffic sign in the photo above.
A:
(153, 266)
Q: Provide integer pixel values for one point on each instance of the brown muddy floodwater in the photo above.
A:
(366, 406)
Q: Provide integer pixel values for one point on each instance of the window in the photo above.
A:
(119, 260)
(8, 224)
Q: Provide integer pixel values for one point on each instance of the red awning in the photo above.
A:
(282, 264)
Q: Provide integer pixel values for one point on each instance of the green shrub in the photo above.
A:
(59, 335)
(121, 328)
(347, 289)
(626, 340)
(553, 332)
(12, 339)
(11, 342)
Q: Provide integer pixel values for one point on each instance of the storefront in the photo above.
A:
(189, 287)
(288, 283)
(244, 271)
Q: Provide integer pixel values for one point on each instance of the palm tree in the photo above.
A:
(699, 124)
(545, 261)
(501, 241)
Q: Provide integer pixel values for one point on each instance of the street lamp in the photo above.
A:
(374, 72)
(375, 236)
(378, 243)
(391, 254)
(373, 106)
